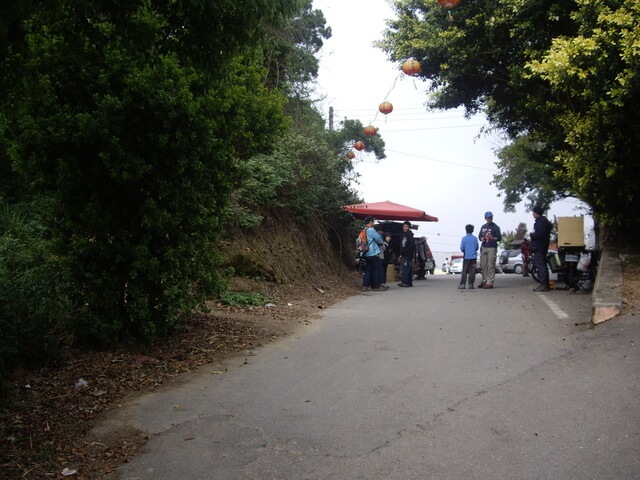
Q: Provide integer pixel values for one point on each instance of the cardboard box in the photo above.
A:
(391, 272)
(570, 232)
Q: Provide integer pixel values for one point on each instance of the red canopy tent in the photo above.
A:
(388, 211)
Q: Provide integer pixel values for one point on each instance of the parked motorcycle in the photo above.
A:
(565, 265)
(533, 268)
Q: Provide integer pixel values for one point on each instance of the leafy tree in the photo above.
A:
(525, 172)
(290, 50)
(478, 62)
(308, 175)
(131, 119)
(559, 78)
(350, 132)
(509, 236)
(595, 76)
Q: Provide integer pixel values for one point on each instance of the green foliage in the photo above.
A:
(244, 298)
(350, 132)
(596, 76)
(32, 306)
(559, 78)
(508, 236)
(145, 129)
(525, 172)
(133, 135)
(307, 175)
(289, 51)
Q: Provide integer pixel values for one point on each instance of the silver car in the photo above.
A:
(511, 261)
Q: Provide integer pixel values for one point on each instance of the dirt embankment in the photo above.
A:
(53, 410)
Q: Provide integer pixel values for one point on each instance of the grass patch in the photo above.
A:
(253, 299)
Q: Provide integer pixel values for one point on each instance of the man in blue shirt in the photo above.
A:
(469, 248)
(372, 274)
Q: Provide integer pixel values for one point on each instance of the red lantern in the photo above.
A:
(359, 145)
(448, 3)
(411, 67)
(385, 107)
(351, 155)
(370, 130)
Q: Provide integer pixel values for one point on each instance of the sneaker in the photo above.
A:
(404, 285)
(461, 287)
(381, 288)
(481, 285)
(487, 286)
(470, 287)
(366, 289)
(542, 288)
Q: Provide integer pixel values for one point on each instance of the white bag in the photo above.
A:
(584, 262)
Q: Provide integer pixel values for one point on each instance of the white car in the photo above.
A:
(456, 266)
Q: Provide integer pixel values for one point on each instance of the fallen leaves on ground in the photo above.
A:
(45, 421)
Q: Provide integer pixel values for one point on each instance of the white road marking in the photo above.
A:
(553, 306)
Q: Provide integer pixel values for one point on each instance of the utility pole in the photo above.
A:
(330, 118)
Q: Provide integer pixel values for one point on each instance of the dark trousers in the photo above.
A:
(407, 271)
(540, 260)
(468, 268)
(372, 272)
(383, 271)
(422, 268)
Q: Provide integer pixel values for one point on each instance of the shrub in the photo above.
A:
(32, 308)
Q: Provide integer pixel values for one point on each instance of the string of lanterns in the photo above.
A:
(410, 67)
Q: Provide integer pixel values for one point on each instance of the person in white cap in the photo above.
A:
(489, 237)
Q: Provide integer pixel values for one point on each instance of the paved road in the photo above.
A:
(422, 383)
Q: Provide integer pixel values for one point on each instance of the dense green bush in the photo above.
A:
(138, 126)
(32, 307)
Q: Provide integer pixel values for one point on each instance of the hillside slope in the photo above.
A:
(48, 427)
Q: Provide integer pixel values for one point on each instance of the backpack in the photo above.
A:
(361, 242)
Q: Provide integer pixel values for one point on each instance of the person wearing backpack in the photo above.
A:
(372, 275)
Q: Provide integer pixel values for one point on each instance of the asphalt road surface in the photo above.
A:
(428, 382)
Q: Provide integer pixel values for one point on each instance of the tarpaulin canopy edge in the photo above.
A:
(388, 211)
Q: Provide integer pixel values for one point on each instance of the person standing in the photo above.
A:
(386, 257)
(490, 235)
(524, 250)
(422, 252)
(407, 252)
(371, 279)
(469, 248)
(382, 271)
(540, 238)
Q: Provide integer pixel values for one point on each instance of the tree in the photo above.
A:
(351, 131)
(307, 175)
(595, 76)
(290, 50)
(508, 236)
(559, 78)
(131, 120)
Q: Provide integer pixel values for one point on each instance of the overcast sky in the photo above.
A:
(438, 162)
